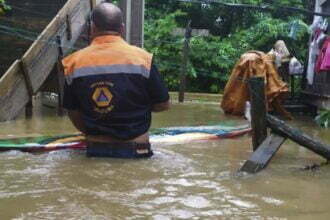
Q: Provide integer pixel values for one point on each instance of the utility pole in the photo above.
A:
(185, 60)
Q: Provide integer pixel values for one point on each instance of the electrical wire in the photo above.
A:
(260, 7)
(30, 11)
(32, 36)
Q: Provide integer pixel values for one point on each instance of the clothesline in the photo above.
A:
(319, 50)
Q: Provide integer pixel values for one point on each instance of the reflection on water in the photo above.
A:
(190, 181)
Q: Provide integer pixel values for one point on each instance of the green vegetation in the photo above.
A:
(323, 119)
(4, 7)
(233, 31)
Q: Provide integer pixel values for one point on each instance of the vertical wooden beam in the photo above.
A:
(125, 6)
(29, 105)
(137, 23)
(258, 111)
(133, 11)
(60, 77)
(29, 109)
(185, 62)
(93, 3)
(68, 27)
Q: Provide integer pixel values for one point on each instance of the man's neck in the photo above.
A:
(103, 33)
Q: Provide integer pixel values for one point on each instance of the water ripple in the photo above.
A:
(196, 202)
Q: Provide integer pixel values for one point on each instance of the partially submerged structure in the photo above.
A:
(39, 69)
(266, 142)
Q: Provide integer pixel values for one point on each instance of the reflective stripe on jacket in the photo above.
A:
(113, 85)
(94, 60)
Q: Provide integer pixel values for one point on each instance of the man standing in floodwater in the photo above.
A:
(111, 89)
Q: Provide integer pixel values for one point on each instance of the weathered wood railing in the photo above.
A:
(266, 147)
(26, 76)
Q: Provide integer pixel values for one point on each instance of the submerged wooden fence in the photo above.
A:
(265, 146)
(26, 76)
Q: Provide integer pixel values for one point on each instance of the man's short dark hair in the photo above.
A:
(107, 17)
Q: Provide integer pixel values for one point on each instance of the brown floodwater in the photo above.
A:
(184, 181)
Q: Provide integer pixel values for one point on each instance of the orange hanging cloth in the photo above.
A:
(253, 64)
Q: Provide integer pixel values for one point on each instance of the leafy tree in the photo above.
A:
(166, 47)
(233, 32)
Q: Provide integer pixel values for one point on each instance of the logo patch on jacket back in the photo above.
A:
(102, 97)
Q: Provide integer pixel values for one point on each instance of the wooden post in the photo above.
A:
(29, 109)
(299, 137)
(258, 111)
(29, 105)
(68, 28)
(185, 62)
(137, 22)
(125, 6)
(93, 3)
(60, 77)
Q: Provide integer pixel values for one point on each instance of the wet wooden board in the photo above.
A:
(44, 52)
(258, 110)
(299, 137)
(14, 94)
(262, 156)
(41, 57)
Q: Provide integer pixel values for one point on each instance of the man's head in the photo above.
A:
(107, 17)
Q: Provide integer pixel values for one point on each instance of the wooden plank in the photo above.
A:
(41, 58)
(314, 94)
(43, 54)
(27, 79)
(299, 137)
(61, 80)
(48, 36)
(125, 6)
(258, 111)
(137, 21)
(262, 156)
(14, 94)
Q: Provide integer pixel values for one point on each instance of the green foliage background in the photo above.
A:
(323, 119)
(4, 7)
(233, 32)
